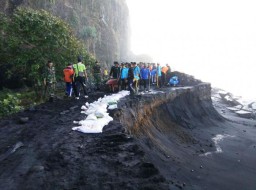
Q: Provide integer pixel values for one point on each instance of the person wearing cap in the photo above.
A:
(80, 76)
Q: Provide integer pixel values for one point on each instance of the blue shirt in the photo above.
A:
(159, 71)
(145, 73)
(136, 72)
(124, 73)
(153, 72)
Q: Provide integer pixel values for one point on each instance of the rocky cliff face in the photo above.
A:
(102, 25)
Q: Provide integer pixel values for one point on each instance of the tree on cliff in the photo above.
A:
(29, 38)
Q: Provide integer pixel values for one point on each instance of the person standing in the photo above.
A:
(136, 72)
(114, 75)
(164, 73)
(115, 71)
(130, 79)
(97, 74)
(153, 73)
(49, 81)
(124, 76)
(68, 79)
(168, 74)
(158, 76)
(80, 76)
(145, 75)
(105, 74)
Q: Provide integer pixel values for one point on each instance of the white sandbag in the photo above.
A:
(112, 107)
(91, 117)
(97, 113)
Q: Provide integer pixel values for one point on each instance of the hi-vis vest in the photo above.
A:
(68, 74)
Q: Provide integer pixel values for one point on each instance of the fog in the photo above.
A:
(213, 40)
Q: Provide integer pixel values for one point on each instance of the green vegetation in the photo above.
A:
(28, 39)
(13, 102)
(89, 32)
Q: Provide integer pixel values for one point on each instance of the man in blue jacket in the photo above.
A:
(145, 76)
(124, 75)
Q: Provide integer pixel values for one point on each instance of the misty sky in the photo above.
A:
(212, 40)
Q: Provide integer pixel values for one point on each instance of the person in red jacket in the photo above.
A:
(68, 78)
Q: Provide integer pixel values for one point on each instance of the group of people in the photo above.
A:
(124, 76)
(74, 76)
(132, 75)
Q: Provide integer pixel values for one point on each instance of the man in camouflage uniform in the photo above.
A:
(49, 80)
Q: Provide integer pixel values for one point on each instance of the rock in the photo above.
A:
(192, 170)
(32, 109)
(244, 114)
(23, 120)
(73, 108)
(179, 186)
(64, 112)
(253, 105)
(201, 167)
(244, 130)
(37, 168)
(202, 151)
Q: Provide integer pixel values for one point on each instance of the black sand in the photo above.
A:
(155, 142)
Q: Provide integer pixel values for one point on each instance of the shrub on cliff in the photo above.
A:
(31, 37)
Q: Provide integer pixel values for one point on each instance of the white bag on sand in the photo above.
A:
(112, 102)
(91, 117)
(112, 107)
(99, 114)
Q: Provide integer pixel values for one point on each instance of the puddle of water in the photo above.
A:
(217, 139)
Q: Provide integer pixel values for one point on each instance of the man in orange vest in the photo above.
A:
(68, 78)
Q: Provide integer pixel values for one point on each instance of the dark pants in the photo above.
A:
(159, 81)
(131, 89)
(145, 84)
(97, 77)
(163, 77)
(49, 90)
(123, 84)
(80, 81)
(69, 89)
(168, 77)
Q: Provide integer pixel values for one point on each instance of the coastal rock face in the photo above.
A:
(102, 25)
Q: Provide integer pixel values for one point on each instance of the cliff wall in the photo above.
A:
(102, 25)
